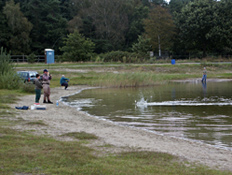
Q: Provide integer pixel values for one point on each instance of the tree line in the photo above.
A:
(78, 28)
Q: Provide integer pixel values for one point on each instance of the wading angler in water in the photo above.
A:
(204, 76)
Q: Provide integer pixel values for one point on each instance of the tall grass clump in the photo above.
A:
(132, 79)
(8, 77)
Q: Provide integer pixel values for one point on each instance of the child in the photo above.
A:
(38, 87)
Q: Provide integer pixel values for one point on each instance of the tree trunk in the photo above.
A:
(159, 46)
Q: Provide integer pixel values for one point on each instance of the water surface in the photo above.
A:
(195, 111)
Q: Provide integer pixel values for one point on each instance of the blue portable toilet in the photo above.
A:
(49, 56)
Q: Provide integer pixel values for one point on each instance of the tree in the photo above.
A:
(136, 26)
(176, 5)
(142, 46)
(20, 28)
(49, 24)
(197, 25)
(159, 27)
(4, 29)
(222, 31)
(104, 21)
(77, 47)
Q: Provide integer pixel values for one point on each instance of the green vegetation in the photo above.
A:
(127, 75)
(22, 153)
(40, 123)
(8, 77)
(19, 28)
(178, 29)
(81, 135)
(77, 47)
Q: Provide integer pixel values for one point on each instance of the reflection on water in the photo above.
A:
(193, 111)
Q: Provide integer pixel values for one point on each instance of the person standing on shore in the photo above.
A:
(46, 86)
(64, 82)
(38, 87)
(204, 75)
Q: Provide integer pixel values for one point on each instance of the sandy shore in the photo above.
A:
(64, 119)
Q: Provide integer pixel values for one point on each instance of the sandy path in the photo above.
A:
(64, 119)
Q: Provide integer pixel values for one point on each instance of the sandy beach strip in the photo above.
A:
(64, 119)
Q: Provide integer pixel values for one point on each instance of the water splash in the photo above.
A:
(141, 102)
(195, 102)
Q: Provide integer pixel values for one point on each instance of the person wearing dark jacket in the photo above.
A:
(64, 82)
(38, 87)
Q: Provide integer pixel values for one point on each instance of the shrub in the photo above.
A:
(28, 87)
(123, 57)
(31, 58)
(8, 76)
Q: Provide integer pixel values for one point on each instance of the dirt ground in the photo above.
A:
(64, 119)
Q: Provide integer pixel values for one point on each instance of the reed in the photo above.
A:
(133, 79)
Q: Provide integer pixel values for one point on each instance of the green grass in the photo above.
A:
(39, 123)
(127, 75)
(81, 135)
(28, 154)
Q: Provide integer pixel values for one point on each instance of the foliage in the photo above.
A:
(142, 46)
(28, 87)
(123, 57)
(223, 30)
(49, 26)
(77, 47)
(31, 58)
(176, 5)
(109, 19)
(110, 24)
(20, 28)
(159, 27)
(204, 25)
(136, 27)
(4, 29)
(201, 26)
(8, 77)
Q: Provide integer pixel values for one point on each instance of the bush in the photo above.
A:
(31, 58)
(28, 87)
(8, 76)
(123, 57)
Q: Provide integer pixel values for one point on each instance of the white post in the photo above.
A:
(159, 46)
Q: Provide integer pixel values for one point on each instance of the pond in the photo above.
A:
(190, 110)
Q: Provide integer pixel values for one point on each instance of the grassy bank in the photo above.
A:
(127, 75)
(24, 153)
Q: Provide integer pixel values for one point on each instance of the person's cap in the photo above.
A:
(45, 70)
(62, 75)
